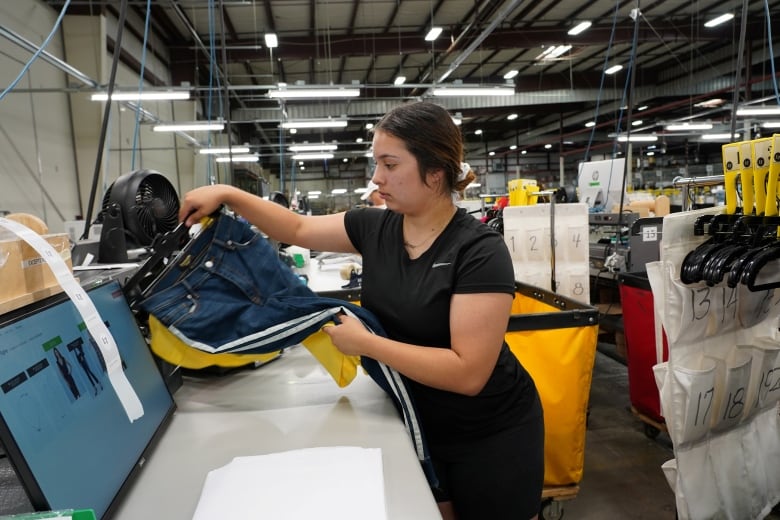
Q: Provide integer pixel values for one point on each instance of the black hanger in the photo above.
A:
(754, 267)
(720, 230)
(764, 235)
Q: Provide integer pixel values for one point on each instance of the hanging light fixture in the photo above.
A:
(235, 150)
(314, 92)
(190, 127)
(142, 96)
(455, 91)
(239, 158)
(322, 123)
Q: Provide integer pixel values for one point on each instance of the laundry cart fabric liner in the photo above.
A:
(637, 302)
(555, 337)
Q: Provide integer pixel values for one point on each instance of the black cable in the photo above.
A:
(106, 112)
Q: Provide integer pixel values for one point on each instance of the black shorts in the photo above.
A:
(497, 477)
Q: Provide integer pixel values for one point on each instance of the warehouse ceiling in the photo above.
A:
(682, 70)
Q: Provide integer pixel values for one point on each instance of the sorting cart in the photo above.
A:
(555, 337)
(641, 354)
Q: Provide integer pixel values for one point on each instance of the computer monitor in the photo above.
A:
(601, 184)
(61, 423)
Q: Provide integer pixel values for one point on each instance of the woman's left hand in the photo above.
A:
(349, 336)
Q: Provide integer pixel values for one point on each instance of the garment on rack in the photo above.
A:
(228, 295)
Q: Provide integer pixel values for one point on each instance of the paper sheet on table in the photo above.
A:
(341, 483)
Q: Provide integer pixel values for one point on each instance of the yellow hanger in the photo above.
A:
(762, 149)
(770, 208)
(746, 176)
(731, 168)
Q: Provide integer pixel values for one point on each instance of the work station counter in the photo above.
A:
(290, 403)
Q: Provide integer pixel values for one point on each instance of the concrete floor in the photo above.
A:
(622, 476)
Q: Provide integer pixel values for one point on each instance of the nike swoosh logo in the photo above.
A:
(440, 264)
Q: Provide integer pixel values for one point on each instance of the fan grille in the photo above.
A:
(149, 205)
(156, 208)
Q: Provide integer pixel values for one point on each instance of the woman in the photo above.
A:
(441, 284)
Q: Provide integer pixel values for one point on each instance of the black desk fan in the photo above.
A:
(136, 208)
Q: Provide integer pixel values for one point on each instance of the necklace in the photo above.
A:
(433, 233)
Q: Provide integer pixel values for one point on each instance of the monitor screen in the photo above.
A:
(61, 423)
(601, 183)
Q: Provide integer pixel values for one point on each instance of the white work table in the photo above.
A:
(289, 403)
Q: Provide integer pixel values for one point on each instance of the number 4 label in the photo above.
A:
(649, 234)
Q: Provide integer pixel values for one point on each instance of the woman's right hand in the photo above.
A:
(201, 202)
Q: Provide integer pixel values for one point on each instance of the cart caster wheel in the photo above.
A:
(551, 510)
(651, 431)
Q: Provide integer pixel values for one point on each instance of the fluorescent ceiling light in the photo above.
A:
(338, 191)
(478, 131)
(399, 80)
(491, 153)
(142, 96)
(511, 74)
(513, 147)
(552, 52)
(547, 146)
(638, 138)
(637, 122)
(719, 20)
(433, 34)
(236, 149)
(689, 126)
(710, 103)
(323, 123)
(239, 158)
(759, 111)
(313, 93)
(312, 156)
(771, 124)
(313, 147)
(590, 124)
(523, 152)
(580, 27)
(613, 69)
(473, 185)
(271, 41)
(650, 154)
(643, 107)
(314, 192)
(718, 137)
(473, 91)
(458, 120)
(511, 117)
(188, 127)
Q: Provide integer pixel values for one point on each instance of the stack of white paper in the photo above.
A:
(342, 483)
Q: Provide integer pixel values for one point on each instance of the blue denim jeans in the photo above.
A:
(230, 292)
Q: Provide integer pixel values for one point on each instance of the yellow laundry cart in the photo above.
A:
(555, 337)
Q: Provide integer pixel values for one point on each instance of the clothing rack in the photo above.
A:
(685, 183)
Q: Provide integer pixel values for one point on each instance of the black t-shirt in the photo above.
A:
(411, 299)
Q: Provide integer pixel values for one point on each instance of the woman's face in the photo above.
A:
(397, 175)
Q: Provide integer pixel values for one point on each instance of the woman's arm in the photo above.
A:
(478, 323)
(321, 233)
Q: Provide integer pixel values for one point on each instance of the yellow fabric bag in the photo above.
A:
(167, 346)
(560, 359)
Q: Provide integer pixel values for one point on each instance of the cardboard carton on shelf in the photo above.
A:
(24, 275)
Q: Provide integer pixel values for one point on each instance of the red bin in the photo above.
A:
(639, 327)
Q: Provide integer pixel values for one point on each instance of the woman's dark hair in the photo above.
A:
(431, 136)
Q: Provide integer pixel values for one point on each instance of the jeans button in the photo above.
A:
(209, 264)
